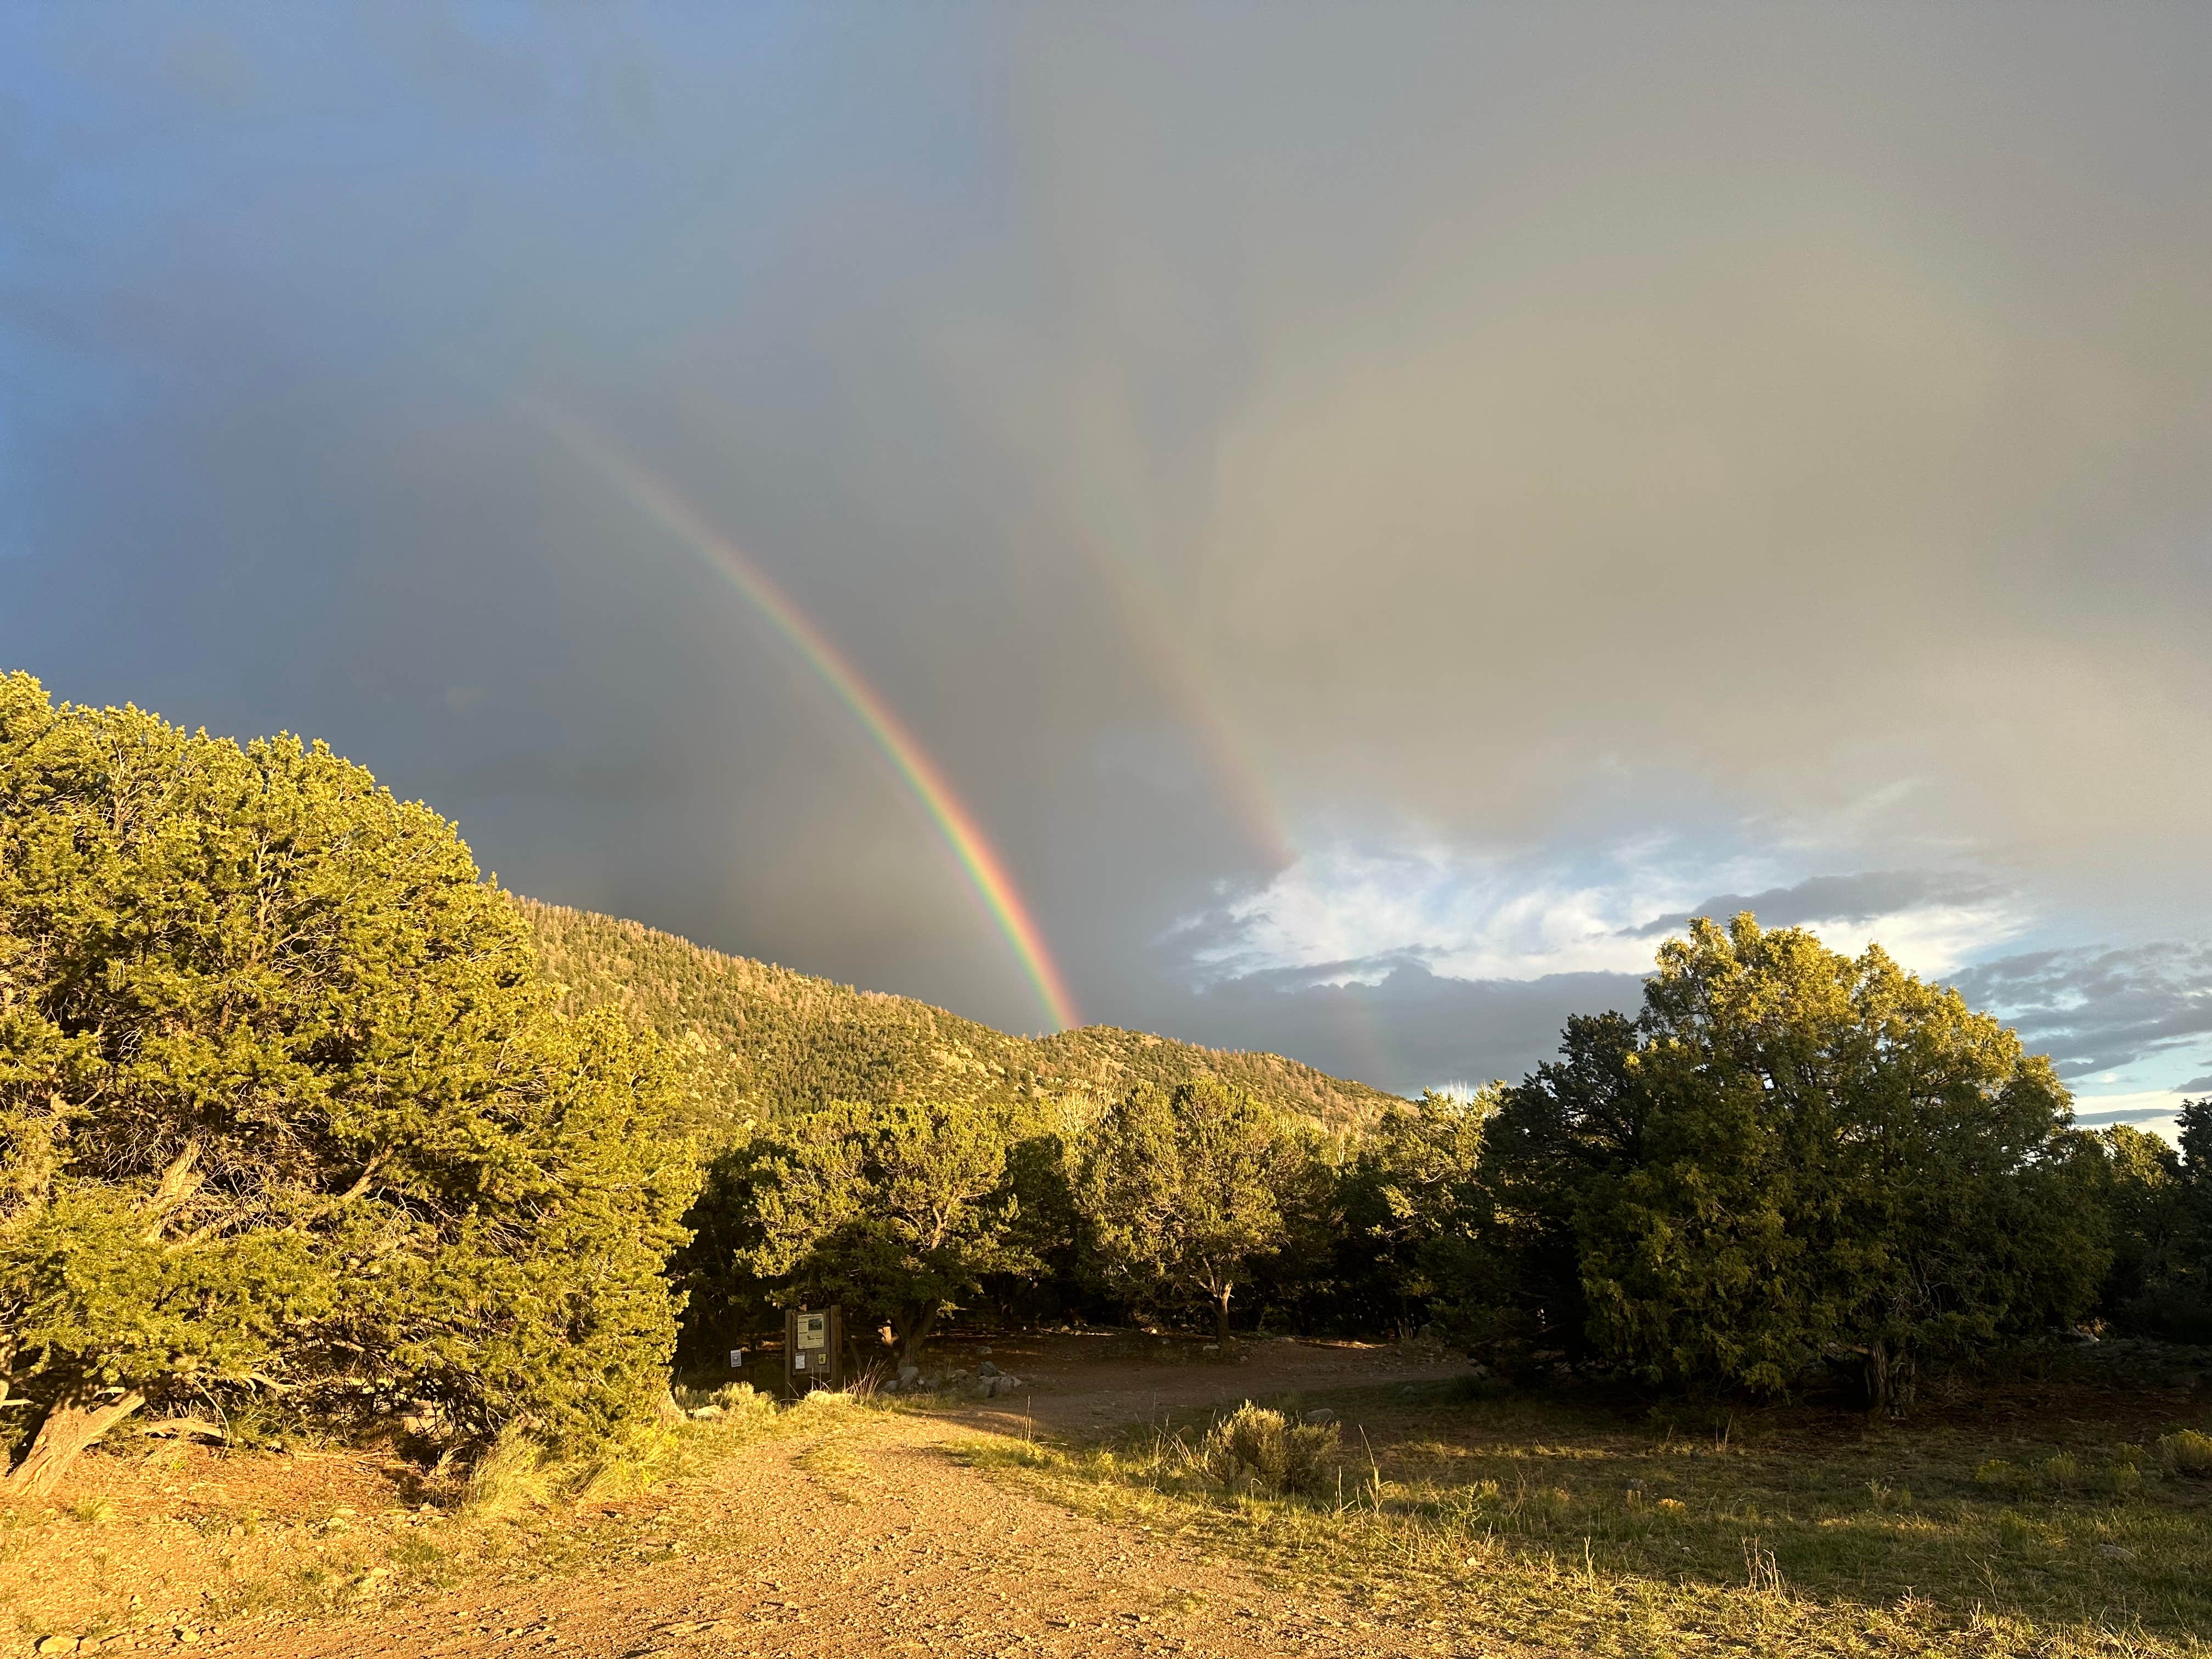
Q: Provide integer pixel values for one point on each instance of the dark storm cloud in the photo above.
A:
(559, 776)
(2093, 1010)
(1410, 1028)
(1857, 898)
(1534, 427)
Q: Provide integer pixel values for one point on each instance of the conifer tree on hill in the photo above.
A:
(284, 1105)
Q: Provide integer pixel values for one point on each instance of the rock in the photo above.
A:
(987, 1369)
(1211, 1347)
(705, 1413)
(909, 1376)
(2116, 1552)
(55, 1644)
(1479, 1370)
(1005, 1383)
(984, 1351)
(1320, 1417)
(984, 1387)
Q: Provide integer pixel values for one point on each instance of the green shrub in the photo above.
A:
(2004, 1476)
(2062, 1471)
(2186, 1452)
(1264, 1454)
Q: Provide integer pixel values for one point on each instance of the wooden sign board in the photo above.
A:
(813, 1349)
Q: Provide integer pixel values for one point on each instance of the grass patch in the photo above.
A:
(1533, 1519)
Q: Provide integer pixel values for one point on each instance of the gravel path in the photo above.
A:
(877, 1539)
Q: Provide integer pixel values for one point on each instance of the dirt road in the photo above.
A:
(875, 1538)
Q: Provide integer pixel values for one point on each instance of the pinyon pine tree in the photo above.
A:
(1181, 1195)
(284, 1107)
(1808, 1151)
(897, 1211)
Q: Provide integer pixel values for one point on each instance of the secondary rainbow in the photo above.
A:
(985, 869)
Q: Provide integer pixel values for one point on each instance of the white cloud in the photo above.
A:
(1349, 911)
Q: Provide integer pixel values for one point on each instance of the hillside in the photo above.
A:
(754, 1039)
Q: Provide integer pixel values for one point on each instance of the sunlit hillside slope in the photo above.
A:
(754, 1039)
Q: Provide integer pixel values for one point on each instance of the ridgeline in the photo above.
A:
(756, 1041)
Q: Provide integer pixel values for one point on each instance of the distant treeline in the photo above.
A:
(300, 1113)
(1790, 1164)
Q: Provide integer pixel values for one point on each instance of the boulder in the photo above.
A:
(909, 1376)
(1005, 1383)
(987, 1369)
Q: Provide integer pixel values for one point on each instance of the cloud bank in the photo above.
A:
(1381, 515)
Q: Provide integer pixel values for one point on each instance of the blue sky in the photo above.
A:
(1377, 512)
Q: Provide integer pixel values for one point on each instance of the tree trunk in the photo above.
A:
(1891, 1378)
(914, 1333)
(77, 1418)
(1221, 1316)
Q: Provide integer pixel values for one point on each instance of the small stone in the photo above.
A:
(56, 1645)
(1318, 1417)
(987, 1369)
(705, 1413)
(2116, 1552)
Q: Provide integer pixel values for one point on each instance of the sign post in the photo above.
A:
(813, 1349)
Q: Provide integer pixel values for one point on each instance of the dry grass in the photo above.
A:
(192, 1540)
(1518, 1518)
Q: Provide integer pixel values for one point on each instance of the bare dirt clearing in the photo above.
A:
(863, 1530)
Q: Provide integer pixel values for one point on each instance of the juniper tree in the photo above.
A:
(284, 1106)
(896, 1211)
(1807, 1150)
(1180, 1195)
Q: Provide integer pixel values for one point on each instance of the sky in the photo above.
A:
(1327, 529)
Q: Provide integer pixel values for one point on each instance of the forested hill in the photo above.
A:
(754, 1039)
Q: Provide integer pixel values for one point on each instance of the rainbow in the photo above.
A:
(985, 869)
